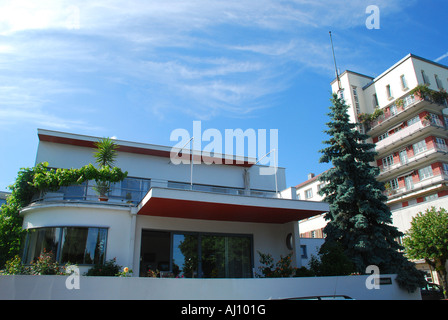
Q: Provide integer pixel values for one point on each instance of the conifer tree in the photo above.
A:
(358, 219)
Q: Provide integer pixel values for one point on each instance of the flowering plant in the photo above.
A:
(153, 273)
(125, 273)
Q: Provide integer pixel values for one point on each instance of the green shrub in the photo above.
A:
(110, 268)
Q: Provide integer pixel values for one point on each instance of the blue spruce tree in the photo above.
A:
(359, 219)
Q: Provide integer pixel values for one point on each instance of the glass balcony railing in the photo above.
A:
(132, 190)
(128, 192)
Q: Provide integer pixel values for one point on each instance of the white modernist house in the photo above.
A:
(411, 139)
(209, 222)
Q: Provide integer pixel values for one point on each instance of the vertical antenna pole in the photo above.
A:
(335, 66)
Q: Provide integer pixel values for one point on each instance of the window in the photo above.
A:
(394, 184)
(308, 193)
(375, 100)
(425, 78)
(404, 84)
(388, 92)
(444, 170)
(413, 120)
(355, 97)
(83, 245)
(441, 144)
(419, 147)
(425, 173)
(435, 119)
(408, 100)
(303, 253)
(383, 136)
(196, 255)
(393, 110)
(388, 161)
(438, 82)
(77, 245)
(431, 197)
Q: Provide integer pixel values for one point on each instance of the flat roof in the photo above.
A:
(374, 79)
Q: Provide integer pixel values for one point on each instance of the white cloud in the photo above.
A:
(217, 56)
(441, 57)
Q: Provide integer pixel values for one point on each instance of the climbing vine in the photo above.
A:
(31, 181)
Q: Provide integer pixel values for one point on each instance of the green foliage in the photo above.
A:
(332, 261)
(40, 178)
(366, 117)
(425, 92)
(110, 268)
(281, 269)
(14, 266)
(428, 239)
(359, 219)
(45, 265)
(106, 152)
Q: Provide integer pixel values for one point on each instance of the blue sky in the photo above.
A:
(137, 70)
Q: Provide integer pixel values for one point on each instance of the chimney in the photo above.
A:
(310, 176)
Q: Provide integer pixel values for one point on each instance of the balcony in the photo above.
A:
(439, 152)
(415, 188)
(131, 191)
(411, 132)
(410, 104)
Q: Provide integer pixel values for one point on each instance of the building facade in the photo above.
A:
(209, 222)
(409, 130)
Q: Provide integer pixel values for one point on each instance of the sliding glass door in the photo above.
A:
(201, 255)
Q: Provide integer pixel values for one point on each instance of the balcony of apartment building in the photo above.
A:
(401, 137)
(400, 109)
(400, 162)
(428, 182)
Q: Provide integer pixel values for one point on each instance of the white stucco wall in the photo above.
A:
(160, 168)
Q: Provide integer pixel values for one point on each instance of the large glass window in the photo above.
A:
(197, 255)
(77, 245)
(39, 241)
(185, 255)
(226, 257)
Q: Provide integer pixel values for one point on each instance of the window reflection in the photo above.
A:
(77, 245)
(185, 256)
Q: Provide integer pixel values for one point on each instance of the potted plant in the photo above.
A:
(105, 155)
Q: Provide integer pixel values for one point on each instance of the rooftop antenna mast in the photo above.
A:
(335, 66)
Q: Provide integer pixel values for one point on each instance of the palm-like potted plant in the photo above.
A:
(105, 155)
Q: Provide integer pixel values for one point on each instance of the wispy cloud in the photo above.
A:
(441, 57)
(208, 56)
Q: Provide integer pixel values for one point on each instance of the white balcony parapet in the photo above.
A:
(415, 158)
(406, 132)
(415, 187)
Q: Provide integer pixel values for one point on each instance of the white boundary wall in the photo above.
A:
(118, 288)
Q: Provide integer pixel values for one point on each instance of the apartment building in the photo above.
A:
(209, 222)
(409, 129)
